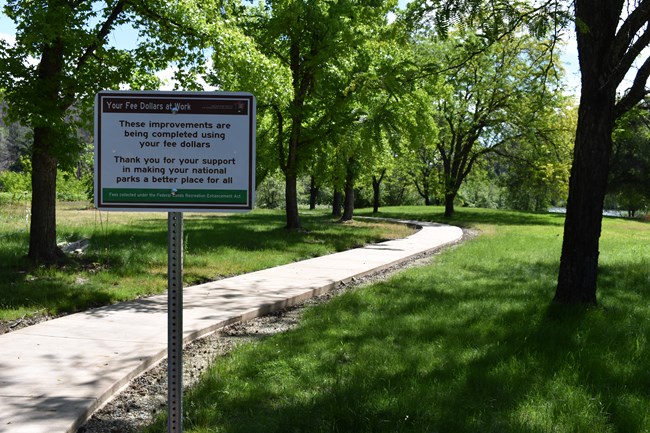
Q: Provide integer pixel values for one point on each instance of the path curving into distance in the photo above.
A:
(55, 374)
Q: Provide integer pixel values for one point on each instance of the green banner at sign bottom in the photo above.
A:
(128, 195)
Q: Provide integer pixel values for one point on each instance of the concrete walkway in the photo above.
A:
(54, 375)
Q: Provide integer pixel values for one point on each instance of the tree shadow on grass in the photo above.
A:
(136, 249)
(266, 232)
(41, 295)
(420, 356)
(249, 233)
(468, 217)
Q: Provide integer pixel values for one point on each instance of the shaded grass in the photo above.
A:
(467, 217)
(469, 343)
(127, 257)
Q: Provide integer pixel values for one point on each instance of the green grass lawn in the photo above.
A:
(127, 257)
(468, 343)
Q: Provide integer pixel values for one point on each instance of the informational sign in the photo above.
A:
(174, 151)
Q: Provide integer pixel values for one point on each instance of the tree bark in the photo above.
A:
(449, 204)
(302, 79)
(376, 184)
(577, 277)
(375, 194)
(587, 186)
(42, 239)
(337, 203)
(291, 177)
(291, 201)
(313, 193)
(348, 202)
(424, 191)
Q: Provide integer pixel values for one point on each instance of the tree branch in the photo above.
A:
(624, 64)
(637, 92)
(101, 34)
(281, 152)
(628, 30)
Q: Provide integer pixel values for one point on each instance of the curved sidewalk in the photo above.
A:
(54, 375)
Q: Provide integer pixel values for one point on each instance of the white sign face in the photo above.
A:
(174, 151)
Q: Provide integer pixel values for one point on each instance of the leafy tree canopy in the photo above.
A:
(62, 57)
(629, 179)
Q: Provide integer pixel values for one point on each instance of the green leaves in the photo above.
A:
(317, 69)
(62, 58)
(493, 19)
(629, 177)
(484, 96)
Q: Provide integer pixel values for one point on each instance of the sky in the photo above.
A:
(7, 28)
(125, 37)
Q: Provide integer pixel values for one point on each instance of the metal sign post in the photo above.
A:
(175, 152)
(175, 323)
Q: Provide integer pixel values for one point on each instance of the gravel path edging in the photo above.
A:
(142, 399)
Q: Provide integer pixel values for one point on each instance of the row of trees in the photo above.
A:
(346, 92)
(354, 96)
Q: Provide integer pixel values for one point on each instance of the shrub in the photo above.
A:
(16, 185)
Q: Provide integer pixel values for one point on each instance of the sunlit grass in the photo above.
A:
(469, 343)
(127, 256)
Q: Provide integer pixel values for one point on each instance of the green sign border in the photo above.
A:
(161, 196)
(140, 197)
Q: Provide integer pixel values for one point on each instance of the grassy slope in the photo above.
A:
(466, 344)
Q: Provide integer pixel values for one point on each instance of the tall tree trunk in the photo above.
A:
(301, 79)
(337, 203)
(291, 201)
(449, 204)
(42, 239)
(290, 169)
(348, 202)
(578, 272)
(423, 191)
(376, 184)
(42, 235)
(313, 193)
(291, 174)
(587, 186)
(375, 194)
